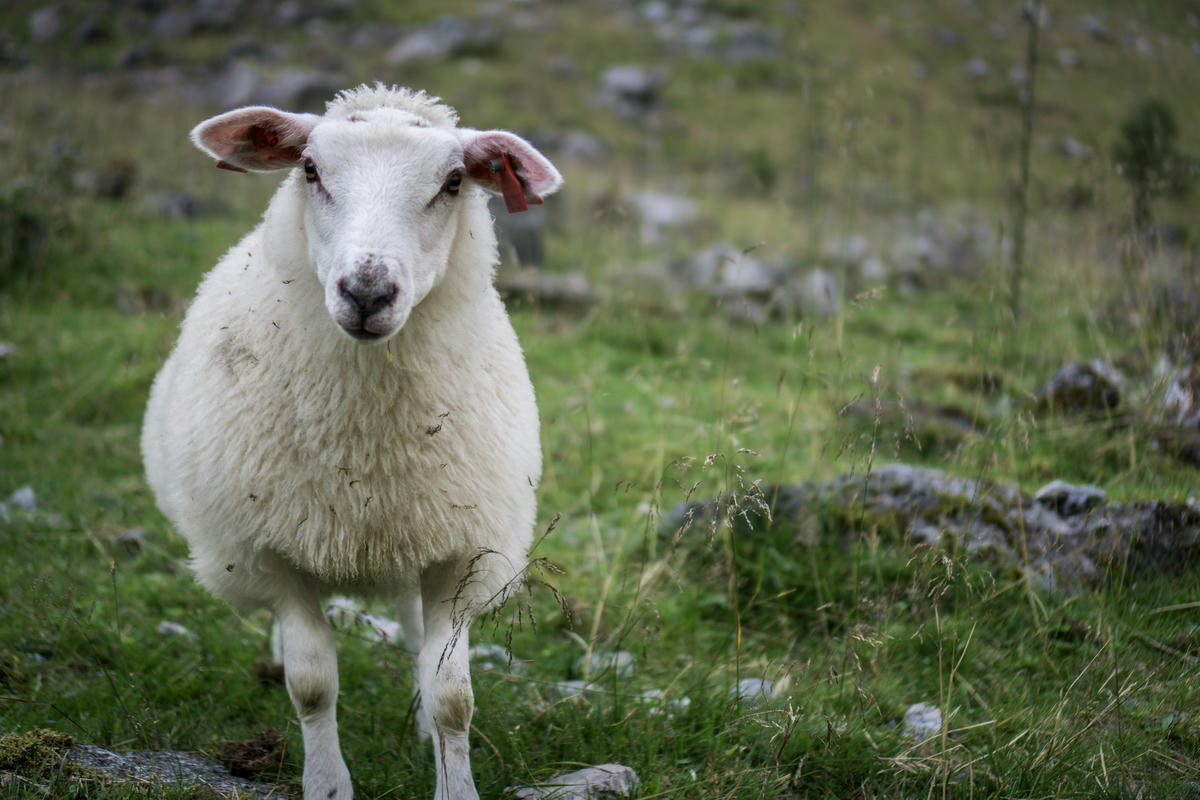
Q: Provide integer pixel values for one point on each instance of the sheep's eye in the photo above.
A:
(454, 182)
(310, 171)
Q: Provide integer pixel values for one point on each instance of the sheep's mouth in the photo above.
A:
(363, 335)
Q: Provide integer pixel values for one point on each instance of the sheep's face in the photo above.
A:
(383, 207)
(385, 188)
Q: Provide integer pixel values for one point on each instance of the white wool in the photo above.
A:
(347, 408)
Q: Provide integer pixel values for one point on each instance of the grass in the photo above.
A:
(649, 399)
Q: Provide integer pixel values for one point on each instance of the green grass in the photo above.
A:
(649, 399)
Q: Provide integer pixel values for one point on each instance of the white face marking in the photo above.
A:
(380, 219)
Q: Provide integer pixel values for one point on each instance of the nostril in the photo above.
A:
(368, 297)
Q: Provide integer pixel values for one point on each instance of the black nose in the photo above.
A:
(368, 294)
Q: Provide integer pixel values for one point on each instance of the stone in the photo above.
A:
(1081, 386)
(726, 270)
(170, 629)
(576, 688)
(45, 24)
(301, 89)
(590, 783)
(167, 768)
(444, 37)
(24, 499)
(522, 236)
(819, 292)
(1067, 58)
(570, 291)
(1075, 150)
(922, 721)
(996, 521)
(632, 91)
(7, 349)
(1094, 26)
(662, 213)
(619, 662)
(131, 542)
(976, 68)
(752, 691)
(1068, 500)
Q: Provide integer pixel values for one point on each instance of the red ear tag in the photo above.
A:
(510, 185)
(230, 167)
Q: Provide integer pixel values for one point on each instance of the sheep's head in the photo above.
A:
(385, 189)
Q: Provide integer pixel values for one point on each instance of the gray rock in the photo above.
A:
(590, 783)
(169, 629)
(661, 213)
(992, 520)
(1082, 386)
(444, 37)
(487, 657)
(976, 68)
(301, 90)
(620, 662)
(522, 235)
(24, 499)
(7, 349)
(576, 145)
(752, 690)
(576, 688)
(1069, 500)
(167, 768)
(819, 292)
(922, 721)
(725, 270)
(633, 92)
(1067, 58)
(45, 24)
(1075, 149)
(131, 542)
(569, 291)
(174, 22)
(1094, 26)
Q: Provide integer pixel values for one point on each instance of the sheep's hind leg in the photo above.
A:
(443, 673)
(310, 670)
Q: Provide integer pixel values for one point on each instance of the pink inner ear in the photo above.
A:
(257, 138)
(535, 174)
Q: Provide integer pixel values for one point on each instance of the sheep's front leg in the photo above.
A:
(444, 677)
(310, 670)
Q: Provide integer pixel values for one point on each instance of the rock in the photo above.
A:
(1067, 58)
(752, 691)
(976, 68)
(45, 24)
(590, 783)
(174, 22)
(345, 613)
(620, 662)
(301, 89)
(1065, 551)
(850, 250)
(633, 92)
(922, 721)
(23, 499)
(493, 656)
(576, 688)
(7, 349)
(659, 702)
(1075, 150)
(131, 542)
(445, 37)
(577, 145)
(661, 214)
(111, 181)
(546, 289)
(170, 629)
(819, 292)
(725, 270)
(746, 43)
(522, 236)
(1081, 386)
(1094, 26)
(175, 205)
(169, 768)
(1068, 500)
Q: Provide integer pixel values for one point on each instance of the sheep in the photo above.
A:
(347, 408)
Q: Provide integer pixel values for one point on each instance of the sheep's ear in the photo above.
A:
(255, 138)
(505, 163)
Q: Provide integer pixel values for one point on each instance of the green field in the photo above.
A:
(863, 120)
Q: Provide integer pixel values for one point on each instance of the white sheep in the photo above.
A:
(348, 409)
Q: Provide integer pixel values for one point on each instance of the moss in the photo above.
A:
(29, 753)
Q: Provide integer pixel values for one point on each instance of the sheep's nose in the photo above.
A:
(367, 293)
